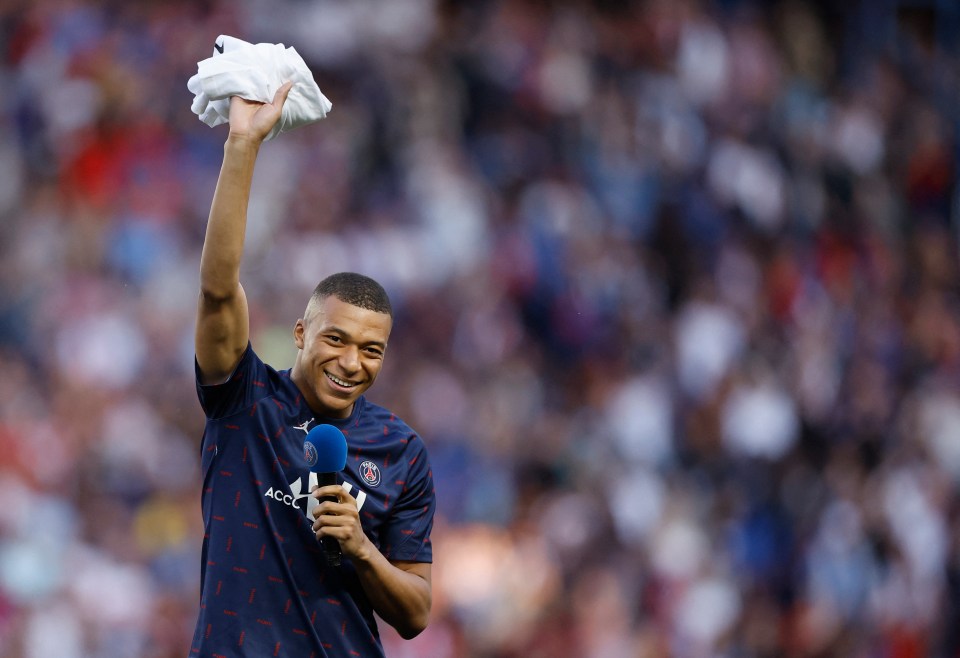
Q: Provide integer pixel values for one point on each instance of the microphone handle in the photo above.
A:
(331, 547)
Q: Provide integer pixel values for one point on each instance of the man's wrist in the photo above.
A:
(238, 142)
(366, 552)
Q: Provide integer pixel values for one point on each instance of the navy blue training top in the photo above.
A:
(265, 588)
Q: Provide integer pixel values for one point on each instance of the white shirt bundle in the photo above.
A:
(255, 72)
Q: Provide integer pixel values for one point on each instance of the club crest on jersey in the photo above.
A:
(310, 453)
(369, 473)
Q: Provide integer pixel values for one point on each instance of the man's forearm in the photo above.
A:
(226, 226)
(401, 596)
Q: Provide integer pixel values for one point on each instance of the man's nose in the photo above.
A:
(350, 358)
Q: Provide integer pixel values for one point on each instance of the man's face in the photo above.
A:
(341, 353)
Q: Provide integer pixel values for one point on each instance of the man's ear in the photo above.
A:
(298, 330)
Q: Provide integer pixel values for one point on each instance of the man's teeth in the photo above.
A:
(338, 381)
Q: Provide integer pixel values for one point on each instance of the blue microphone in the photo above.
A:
(325, 450)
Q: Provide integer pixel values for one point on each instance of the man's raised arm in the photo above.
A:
(223, 325)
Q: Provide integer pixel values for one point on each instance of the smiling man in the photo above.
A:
(343, 336)
(266, 589)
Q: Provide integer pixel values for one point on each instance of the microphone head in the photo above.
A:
(325, 449)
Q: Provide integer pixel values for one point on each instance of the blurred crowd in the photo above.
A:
(677, 314)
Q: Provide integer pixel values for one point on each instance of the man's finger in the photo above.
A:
(282, 93)
(331, 491)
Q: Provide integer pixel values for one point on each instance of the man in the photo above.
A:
(266, 589)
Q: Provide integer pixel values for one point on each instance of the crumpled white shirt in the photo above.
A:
(255, 72)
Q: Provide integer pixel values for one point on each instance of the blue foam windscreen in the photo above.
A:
(325, 449)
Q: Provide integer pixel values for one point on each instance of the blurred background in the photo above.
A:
(677, 313)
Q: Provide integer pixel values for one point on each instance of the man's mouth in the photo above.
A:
(342, 383)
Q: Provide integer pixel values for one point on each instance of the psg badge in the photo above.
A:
(369, 473)
(310, 453)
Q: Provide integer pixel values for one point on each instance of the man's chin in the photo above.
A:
(337, 406)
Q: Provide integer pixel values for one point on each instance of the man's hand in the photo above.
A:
(340, 520)
(399, 591)
(253, 120)
(223, 324)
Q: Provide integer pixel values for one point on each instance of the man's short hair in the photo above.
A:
(356, 289)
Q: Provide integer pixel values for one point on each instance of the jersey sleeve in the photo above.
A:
(407, 535)
(241, 390)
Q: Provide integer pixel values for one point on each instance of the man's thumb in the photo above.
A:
(282, 93)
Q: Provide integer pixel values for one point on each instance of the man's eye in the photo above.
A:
(333, 339)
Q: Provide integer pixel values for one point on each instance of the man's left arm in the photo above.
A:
(399, 591)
